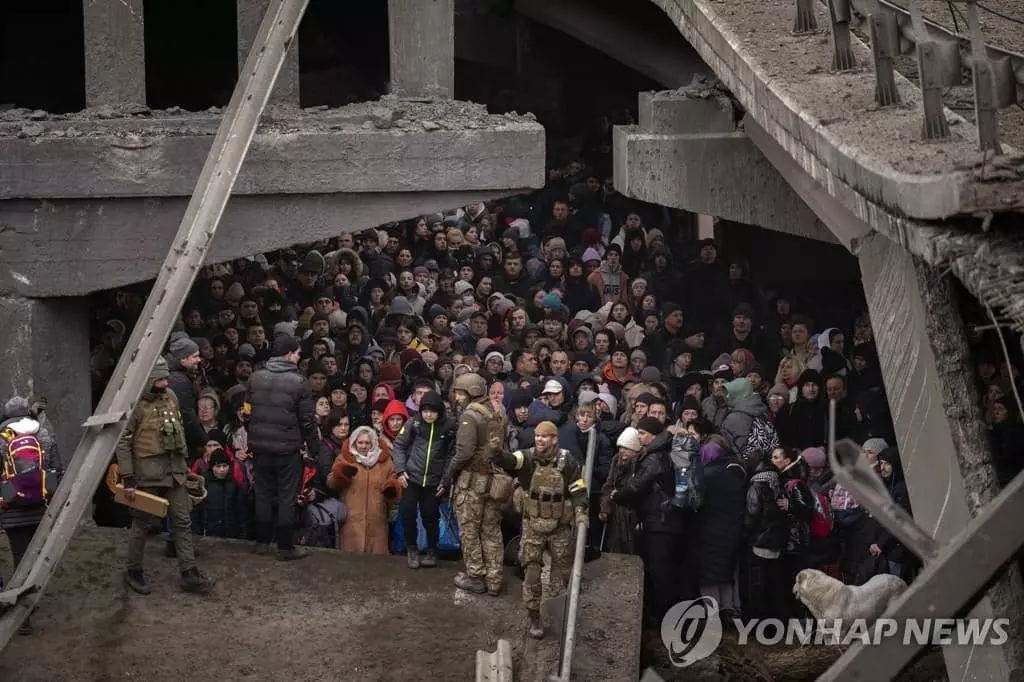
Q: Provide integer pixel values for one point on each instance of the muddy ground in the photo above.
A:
(331, 616)
(755, 663)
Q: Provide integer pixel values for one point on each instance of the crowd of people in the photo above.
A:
(570, 308)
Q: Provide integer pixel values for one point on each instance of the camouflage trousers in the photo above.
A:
(560, 546)
(179, 512)
(479, 520)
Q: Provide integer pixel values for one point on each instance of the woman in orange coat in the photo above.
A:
(364, 476)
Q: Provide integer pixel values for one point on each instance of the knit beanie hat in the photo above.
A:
(182, 348)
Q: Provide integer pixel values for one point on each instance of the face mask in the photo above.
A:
(158, 389)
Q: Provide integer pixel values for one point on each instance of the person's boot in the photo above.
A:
(495, 589)
(135, 579)
(470, 584)
(194, 581)
(536, 624)
(170, 550)
(413, 558)
(292, 554)
(429, 559)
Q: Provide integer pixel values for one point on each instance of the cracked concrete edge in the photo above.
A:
(782, 210)
(924, 197)
(315, 162)
(77, 247)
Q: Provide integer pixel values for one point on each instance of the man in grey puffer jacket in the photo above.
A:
(20, 524)
(282, 420)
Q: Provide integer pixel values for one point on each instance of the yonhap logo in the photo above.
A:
(691, 631)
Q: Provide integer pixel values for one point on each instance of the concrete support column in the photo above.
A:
(46, 353)
(250, 15)
(422, 38)
(686, 152)
(115, 52)
(705, 226)
(926, 367)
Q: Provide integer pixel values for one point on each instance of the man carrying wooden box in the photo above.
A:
(151, 457)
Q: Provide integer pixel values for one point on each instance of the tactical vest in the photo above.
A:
(547, 502)
(480, 474)
(159, 430)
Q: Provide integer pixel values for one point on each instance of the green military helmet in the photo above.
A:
(473, 384)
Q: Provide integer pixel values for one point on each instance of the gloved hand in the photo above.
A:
(350, 470)
(582, 517)
(390, 492)
(518, 500)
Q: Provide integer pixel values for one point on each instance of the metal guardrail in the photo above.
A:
(997, 74)
(186, 256)
(568, 644)
(955, 576)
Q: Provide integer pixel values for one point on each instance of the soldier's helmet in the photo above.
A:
(473, 384)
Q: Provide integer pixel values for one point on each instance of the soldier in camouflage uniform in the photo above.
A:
(151, 457)
(552, 495)
(481, 487)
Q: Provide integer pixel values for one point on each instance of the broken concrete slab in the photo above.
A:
(74, 247)
(45, 353)
(907, 326)
(250, 15)
(382, 148)
(829, 124)
(687, 110)
(720, 174)
(331, 616)
(115, 52)
(422, 48)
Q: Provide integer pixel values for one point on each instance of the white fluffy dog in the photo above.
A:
(827, 598)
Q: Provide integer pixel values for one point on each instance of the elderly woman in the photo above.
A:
(364, 476)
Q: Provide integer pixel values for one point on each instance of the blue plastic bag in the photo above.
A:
(448, 536)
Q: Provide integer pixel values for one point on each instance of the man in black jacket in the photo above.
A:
(182, 358)
(648, 492)
(282, 419)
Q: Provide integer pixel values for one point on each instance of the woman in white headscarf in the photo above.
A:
(364, 476)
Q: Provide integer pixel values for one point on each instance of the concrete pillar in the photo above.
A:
(677, 112)
(250, 15)
(686, 152)
(422, 38)
(115, 52)
(705, 226)
(46, 353)
(926, 366)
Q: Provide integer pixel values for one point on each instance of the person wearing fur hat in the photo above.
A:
(151, 456)
(553, 501)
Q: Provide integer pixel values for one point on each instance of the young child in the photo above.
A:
(422, 449)
(221, 513)
(394, 417)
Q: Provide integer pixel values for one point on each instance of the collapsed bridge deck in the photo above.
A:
(331, 616)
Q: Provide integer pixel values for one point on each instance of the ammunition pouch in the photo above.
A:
(502, 486)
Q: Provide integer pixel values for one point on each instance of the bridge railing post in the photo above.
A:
(806, 21)
(986, 113)
(843, 58)
(883, 31)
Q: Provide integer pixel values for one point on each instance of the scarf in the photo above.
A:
(370, 458)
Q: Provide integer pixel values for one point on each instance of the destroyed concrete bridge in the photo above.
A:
(804, 138)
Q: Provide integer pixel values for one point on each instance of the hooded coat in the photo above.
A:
(423, 450)
(744, 407)
(366, 494)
